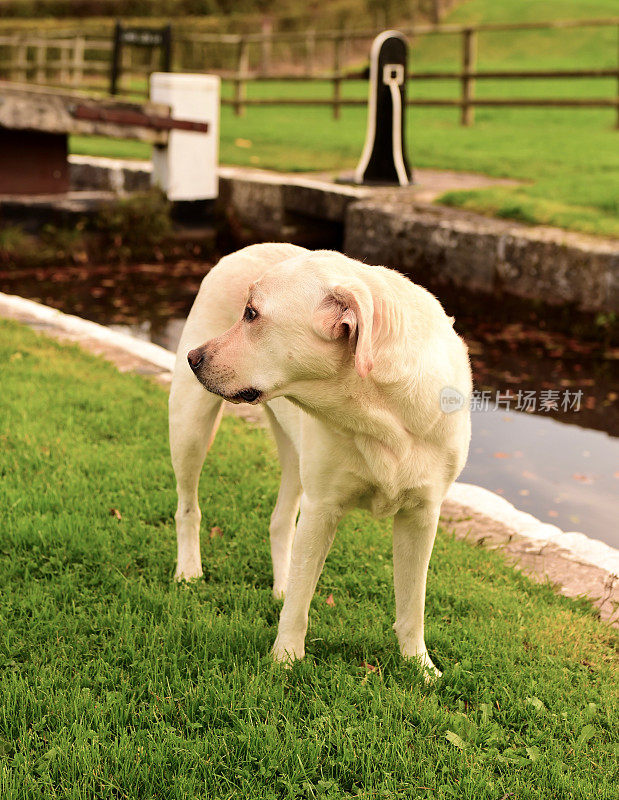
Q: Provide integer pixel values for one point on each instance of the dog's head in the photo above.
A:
(298, 326)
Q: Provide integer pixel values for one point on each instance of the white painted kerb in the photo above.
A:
(156, 355)
(580, 546)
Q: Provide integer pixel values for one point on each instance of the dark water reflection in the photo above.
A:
(561, 466)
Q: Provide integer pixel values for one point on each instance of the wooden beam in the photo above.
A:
(129, 116)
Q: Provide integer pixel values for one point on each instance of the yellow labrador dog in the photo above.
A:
(366, 387)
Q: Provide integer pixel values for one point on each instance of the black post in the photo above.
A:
(116, 59)
(166, 45)
(139, 37)
(384, 160)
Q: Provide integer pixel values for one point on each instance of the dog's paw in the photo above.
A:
(187, 574)
(279, 591)
(430, 671)
(286, 653)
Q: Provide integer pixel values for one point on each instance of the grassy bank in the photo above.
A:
(118, 683)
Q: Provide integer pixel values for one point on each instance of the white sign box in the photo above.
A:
(186, 169)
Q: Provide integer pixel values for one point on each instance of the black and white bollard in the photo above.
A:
(383, 160)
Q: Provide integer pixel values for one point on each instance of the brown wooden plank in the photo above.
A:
(126, 116)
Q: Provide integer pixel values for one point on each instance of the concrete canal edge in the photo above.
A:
(399, 228)
(576, 565)
(430, 243)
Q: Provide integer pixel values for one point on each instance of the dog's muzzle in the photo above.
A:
(197, 360)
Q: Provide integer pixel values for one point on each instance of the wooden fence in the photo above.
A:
(78, 60)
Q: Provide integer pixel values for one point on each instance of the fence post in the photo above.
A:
(617, 124)
(41, 72)
(310, 51)
(22, 62)
(79, 47)
(239, 82)
(337, 78)
(266, 45)
(469, 58)
(64, 73)
(15, 51)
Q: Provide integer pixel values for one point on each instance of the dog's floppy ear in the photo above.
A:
(347, 312)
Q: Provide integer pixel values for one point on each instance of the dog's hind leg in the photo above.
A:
(284, 516)
(194, 418)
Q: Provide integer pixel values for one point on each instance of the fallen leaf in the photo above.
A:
(536, 703)
(523, 492)
(242, 143)
(114, 512)
(369, 669)
(577, 476)
(553, 513)
(456, 740)
(533, 753)
(501, 455)
(586, 733)
(215, 532)
(330, 601)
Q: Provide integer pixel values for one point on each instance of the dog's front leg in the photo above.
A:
(312, 541)
(413, 538)
(194, 418)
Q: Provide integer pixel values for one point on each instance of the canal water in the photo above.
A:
(545, 410)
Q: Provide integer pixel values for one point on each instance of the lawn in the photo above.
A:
(567, 159)
(118, 683)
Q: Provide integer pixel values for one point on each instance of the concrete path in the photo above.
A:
(574, 564)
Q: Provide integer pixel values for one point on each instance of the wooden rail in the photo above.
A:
(448, 102)
(79, 59)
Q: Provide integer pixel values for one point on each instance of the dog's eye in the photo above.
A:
(249, 313)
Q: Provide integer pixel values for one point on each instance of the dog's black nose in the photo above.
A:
(195, 358)
(249, 395)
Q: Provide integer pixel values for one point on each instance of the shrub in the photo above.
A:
(135, 226)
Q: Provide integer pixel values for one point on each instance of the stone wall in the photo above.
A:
(434, 244)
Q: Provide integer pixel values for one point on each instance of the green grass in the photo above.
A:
(118, 683)
(109, 148)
